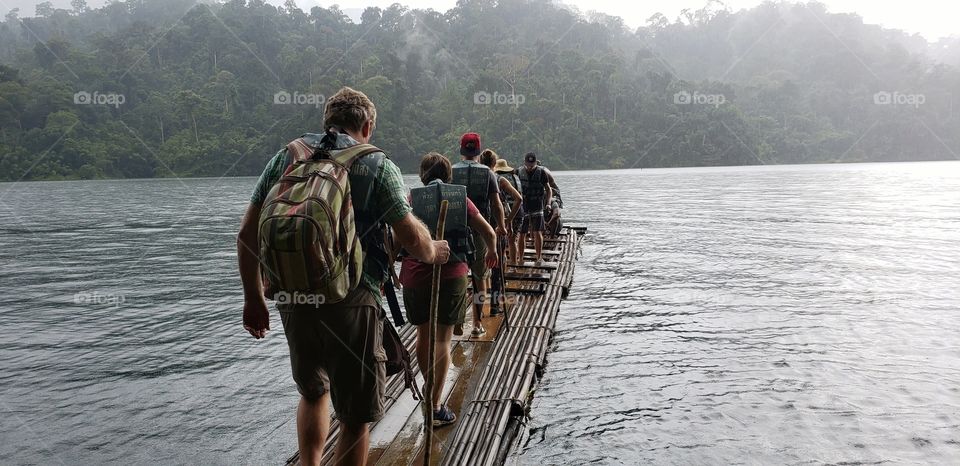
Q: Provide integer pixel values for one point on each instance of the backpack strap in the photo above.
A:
(299, 150)
(393, 303)
(348, 156)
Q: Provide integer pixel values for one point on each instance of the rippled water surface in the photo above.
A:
(758, 315)
(763, 315)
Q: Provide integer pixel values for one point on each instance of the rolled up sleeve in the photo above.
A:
(390, 197)
(271, 174)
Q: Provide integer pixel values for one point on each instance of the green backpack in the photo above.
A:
(308, 238)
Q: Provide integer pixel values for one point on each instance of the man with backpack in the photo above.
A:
(537, 194)
(484, 192)
(316, 222)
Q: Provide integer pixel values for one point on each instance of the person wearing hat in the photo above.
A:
(509, 195)
(484, 192)
(537, 194)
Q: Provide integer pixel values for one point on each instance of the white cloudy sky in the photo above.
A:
(931, 18)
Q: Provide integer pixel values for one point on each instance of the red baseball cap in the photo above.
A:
(470, 145)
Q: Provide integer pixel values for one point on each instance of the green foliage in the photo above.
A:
(176, 88)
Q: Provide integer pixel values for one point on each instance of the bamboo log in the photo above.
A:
(432, 346)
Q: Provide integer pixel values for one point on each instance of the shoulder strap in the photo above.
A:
(348, 156)
(299, 150)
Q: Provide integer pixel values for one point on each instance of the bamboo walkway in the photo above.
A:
(491, 379)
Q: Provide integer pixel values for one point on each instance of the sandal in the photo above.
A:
(443, 417)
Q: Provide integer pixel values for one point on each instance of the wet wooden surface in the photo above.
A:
(501, 364)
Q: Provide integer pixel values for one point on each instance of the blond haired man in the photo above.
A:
(336, 351)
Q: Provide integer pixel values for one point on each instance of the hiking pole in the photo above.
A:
(432, 345)
(501, 257)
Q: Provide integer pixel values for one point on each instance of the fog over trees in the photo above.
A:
(161, 88)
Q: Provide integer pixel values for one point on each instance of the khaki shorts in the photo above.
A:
(478, 268)
(451, 307)
(338, 348)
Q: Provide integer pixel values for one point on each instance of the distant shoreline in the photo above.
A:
(554, 170)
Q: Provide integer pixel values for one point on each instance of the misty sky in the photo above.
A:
(931, 18)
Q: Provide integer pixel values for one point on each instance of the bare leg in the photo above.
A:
(444, 335)
(521, 247)
(538, 244)
(479, 297)
(313, 423)
(352, 445)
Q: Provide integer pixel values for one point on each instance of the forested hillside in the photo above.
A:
(148, 88)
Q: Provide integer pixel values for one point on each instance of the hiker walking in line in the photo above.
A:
(416, 276)
(512, 201)
(510, 197)
(324, 263)
(535, 183)
(554, 223)
(484, 191)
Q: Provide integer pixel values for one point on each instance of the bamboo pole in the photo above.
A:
(503, 301)
(432, 347)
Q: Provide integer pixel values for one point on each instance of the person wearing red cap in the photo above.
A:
(484, 191)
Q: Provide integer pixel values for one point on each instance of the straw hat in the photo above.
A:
(502, 166)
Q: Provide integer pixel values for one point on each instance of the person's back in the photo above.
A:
(514, 180)
(324, 343)
(452, 300)
(476, 178)
(484, 192)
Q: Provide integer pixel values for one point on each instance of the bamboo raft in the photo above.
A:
(491, 379)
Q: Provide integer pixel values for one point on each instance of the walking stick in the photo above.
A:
(501, 257)
(432, 346)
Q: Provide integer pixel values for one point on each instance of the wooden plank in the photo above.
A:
(533, 265)
(539, 277)
(546, 252)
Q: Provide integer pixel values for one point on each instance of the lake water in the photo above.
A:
(759, 315)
